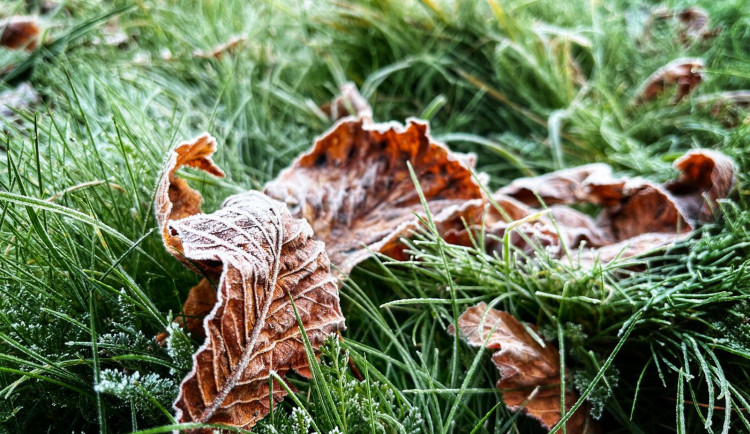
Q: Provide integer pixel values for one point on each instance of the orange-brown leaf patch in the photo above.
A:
(355, 189)
(637, 215)
(529, 370)
(266, 258)
(684, 74)
(19, 32)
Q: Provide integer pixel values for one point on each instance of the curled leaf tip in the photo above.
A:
(175, 199)
(706, 176)
(684, 74)
(264, 259)
(19, 32)
(355, 189)
(349, 102)
(637, 216)
(529, 369)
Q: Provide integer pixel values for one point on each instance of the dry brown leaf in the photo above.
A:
(174, 197)
(230, 47)
(706, 177)
(695, 25)
(632, 207)
(266, 257)
(638, 216)
(692, 24)
(565, 186)
(19, 32)
(731, 108)
(579, 227)
(348, 103)
(528, 226)
(199, 303)
(630, 248)
(23, 96)
(684, 74)
(355, 189)
(644, 207)
(529, 371)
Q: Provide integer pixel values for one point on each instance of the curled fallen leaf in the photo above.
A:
(348, 103)
(355, 189)
(565, 186)
(265, 258)
(693, 24)
(529, 370)
(731, 108)
(19, 32)
(684, 74)
(637, 215)
(706, 176)
(175, 199)
(219, 51)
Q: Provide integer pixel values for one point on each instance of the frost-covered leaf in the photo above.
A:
(732, 108)
(219, 51)
(174, 197)
(637, 215)
(265, 258)
(19, 32)
(355, 189)
(529, 370)
(706, 177)
(683, 74)
(692, 24)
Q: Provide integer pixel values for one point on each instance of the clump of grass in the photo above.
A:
(85, 283)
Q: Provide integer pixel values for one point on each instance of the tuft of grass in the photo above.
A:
(85, 283)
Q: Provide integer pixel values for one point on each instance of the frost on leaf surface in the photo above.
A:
(684, 74)
(637, 215)
(355, 189)
(19, 32)
(529, 371)
(264, 257)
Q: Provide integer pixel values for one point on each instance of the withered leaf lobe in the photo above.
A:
(355, 189)
(266, 257)
(684, 74)
(19, 32)
(528, 370)
(703, 172)
(637, 215)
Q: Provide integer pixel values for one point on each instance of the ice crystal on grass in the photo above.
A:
(365, 406)
(601, 393)
(7, 411)
(128, 340)
(733, 330)
(27, 323)
(300, 421)
(137, 389)
(179, 347)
